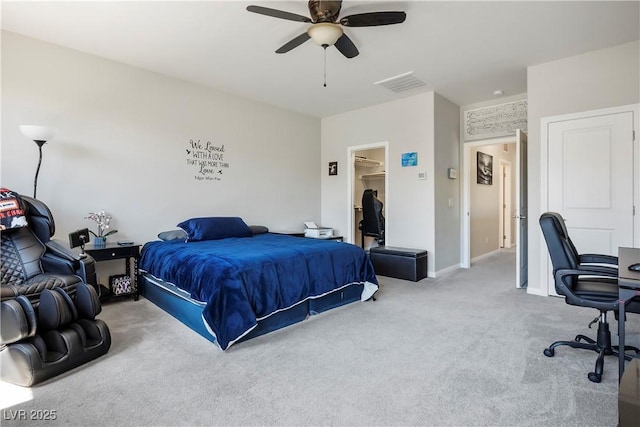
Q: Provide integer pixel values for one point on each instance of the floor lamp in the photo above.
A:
(39, 135)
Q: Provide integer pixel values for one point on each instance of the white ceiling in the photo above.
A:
(462, 50)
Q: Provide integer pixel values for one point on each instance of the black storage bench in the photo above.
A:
(400, 263)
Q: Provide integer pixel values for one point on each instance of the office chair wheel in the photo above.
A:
(549, 352)
(594, 378)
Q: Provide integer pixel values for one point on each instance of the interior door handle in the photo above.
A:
(520, 217)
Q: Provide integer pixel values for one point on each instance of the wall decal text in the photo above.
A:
(207, 160)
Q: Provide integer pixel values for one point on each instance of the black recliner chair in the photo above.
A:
(57, 257)
(585, 280)
(372, 224)
(43, 297)
(31, 261)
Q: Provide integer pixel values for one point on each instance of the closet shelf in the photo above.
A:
(375, 175)
(361, 161)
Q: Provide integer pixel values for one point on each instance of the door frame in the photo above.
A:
(465, 244)
(544, 175)
(505, 204)
(351, 171)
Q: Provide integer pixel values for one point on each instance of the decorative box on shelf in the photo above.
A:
(121, 284)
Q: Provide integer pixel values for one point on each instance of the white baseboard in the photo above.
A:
(538, 292)
(445, 271)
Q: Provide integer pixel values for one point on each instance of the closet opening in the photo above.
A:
(368, 172)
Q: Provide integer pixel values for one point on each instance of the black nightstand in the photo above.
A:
(115, 251)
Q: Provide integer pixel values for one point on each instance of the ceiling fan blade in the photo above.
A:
(373, 19)
(294, 43)
(346, 46)
(278, 13)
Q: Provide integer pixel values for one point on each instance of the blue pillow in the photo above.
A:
(214, 228)
(180, 235)
(258, 229)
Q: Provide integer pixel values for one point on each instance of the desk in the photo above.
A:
(628, 288)
(629, 395)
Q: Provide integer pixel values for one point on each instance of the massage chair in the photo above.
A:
(48, 302)
(32, 261)
(60, 334)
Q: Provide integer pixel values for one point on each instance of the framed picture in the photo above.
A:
(485, 168)
(409, 159)
(333, 168)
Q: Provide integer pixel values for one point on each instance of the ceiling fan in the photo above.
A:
(325, 29)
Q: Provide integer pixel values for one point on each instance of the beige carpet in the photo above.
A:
(463, 350)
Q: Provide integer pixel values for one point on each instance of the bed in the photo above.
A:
(232, 284)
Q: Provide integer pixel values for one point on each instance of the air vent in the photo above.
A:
(401, 83)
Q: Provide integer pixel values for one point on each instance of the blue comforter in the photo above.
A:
(243, 280)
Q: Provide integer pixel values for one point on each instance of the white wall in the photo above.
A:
(600, 79)
(407, 125)
(447, 191)
(122, 141)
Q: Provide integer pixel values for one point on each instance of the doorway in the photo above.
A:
(486, 219)
(367, 171)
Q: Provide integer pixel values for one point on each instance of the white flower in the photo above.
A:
(102, 219)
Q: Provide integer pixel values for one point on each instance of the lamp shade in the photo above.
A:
(38, 133)
(325, 33)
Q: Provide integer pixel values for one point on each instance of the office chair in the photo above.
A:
(585, 280)
(372, 224)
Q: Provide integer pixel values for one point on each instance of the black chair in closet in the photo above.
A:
(372, 224)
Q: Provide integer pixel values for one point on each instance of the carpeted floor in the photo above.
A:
(462, 350)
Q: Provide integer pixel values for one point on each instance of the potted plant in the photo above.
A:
(102, 219)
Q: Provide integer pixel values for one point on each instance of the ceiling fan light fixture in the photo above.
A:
(325, 33)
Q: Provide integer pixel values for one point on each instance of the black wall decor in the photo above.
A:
(485, 169)
(333, 168)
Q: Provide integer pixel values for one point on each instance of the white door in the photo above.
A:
(590, 180)
(523, 210)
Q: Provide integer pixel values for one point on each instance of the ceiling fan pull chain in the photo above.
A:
(325, 66)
